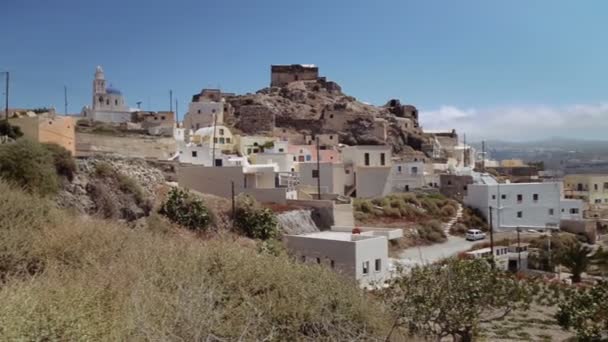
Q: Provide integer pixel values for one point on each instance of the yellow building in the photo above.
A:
(592, 188)
(48, 128)
(512, 163)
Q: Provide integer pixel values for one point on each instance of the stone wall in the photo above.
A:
(88, 144)
(255, 119)
(281, 75)
(454, 186)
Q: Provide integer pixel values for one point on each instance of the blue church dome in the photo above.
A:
(112, 90)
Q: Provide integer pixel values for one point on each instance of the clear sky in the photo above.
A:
(495, 69)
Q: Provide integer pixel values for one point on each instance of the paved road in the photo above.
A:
(430, 254)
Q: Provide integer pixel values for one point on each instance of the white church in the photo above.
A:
(108, 103)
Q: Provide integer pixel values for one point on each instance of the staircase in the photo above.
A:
(448, 225)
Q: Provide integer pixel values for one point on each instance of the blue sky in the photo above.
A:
(465, 64)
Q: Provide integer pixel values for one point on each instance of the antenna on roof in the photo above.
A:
(65, 99)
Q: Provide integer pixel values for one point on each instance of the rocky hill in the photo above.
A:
(318, 107)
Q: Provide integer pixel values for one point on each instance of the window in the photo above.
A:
(551, 212)
(503, 196)
(594, 186)
(520, 198)
(378, 265)
(319, 261)
(213, 111)
(331, 116)
(562, 210)
(598, 200)
(332, 263)
(520, 214)
(194, 154)
(280, 150)
(294, 158)
(399, 169)
(415, 170)
(535, 197)
(573, 210)
(449, 182)
(347, 172)
(222, 140)
(465, 188)
(107, 102)
(215, 140)
(116, 104)
(605, 186)
(365, 267)
(199, 111)
(221, 131)
(315, 173)
(227, 140)
(366, 156)
(382, 159)
(162, 117)
(100, 99)
(308, 157)
(493, 197)
(249, 151)
(331, 137)
(155, 118)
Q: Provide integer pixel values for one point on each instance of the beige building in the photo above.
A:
(48, 128)
(591, 188)
(334, 177)
(371, 165)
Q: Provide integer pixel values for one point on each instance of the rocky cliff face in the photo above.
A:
(317, 107)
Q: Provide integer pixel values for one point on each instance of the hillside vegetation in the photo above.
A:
(420, 214)
(65, 278)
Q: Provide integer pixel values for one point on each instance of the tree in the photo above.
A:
(186, 210)
(585, 310)
(9, 130)
(453, 298)
(600, 259)
(255, 221)
(29, 165)
(576, 258)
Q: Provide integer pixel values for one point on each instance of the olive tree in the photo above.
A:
(585, 311)
(453, 298)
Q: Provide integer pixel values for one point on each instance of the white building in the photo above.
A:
(108, 104)
(409, 175)
(506, 258)
(205, 110)
(524, 205)
(363, 257)
(571, 209)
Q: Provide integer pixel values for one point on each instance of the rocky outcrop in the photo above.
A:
(126, 192)
(320, 106)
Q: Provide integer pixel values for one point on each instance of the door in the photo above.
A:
(218, 162)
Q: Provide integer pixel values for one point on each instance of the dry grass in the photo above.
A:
(68, 279)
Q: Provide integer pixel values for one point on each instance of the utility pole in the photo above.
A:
(483, 156)
(175, 110)
(65, 99)
(464, 150)
(6, 94)
(233, 204)
(518, 251)
(318, 169)
(491, 225)
(170, 100)
(214, 138)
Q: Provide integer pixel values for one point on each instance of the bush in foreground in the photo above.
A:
(102, 281)
(256, 222)
(185, 209)
(29, 165)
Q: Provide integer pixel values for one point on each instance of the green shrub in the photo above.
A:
(63, 161)
(392, 212)
(29, 165)
(254, 221)
(448, 211)
(186, 210)
(129, 185)
(431, 231)
(9, 130)
(366, 206)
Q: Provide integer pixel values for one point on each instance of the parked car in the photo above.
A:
(475, 234)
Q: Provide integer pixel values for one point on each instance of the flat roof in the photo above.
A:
(336, 236)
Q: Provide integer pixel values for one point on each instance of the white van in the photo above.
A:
(475, 234)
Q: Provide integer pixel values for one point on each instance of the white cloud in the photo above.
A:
(522, 123)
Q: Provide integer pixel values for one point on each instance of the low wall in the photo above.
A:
(217, 181)
(88, 144)
(581, 227)
(322, 214)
